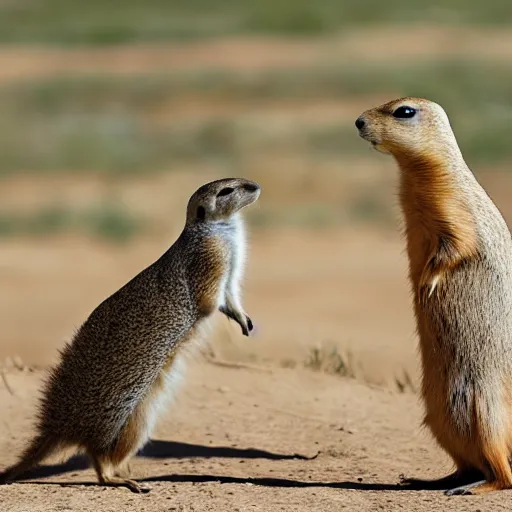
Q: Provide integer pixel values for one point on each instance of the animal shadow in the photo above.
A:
(276, 482)
(157, 449)
(174, 450)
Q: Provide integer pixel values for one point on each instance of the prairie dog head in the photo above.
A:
(408, 128)
(219, 200)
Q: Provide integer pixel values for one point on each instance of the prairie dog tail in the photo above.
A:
(40, 448)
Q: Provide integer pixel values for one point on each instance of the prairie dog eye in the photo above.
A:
(225, 192)
(404, 112)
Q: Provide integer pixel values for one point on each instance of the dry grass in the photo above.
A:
(328, 359)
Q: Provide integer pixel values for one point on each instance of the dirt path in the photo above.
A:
(228, 444)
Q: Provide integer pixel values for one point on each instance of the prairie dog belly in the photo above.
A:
(172, 374)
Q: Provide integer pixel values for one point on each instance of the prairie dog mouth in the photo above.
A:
(368, 138)
(376, 144)
(368, 134)
(379, 147)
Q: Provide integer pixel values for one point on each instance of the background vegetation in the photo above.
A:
(115, 91)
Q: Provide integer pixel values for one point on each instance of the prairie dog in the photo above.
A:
(103, 396)
(460, 270)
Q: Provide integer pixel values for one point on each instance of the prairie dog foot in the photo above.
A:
(104, 471)
(115, 481)
(474, 488)
(243, 320)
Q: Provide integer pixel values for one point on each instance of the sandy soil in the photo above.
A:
(258, 438)
(350, 300)
(344, 285)
(241, 440)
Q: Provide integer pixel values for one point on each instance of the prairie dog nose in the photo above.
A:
(359, 123)
(251, 186)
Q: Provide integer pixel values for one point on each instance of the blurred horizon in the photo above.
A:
(113, 113)
(119, 92)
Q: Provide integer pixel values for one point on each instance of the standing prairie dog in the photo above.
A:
(460, 269)
(104, 395)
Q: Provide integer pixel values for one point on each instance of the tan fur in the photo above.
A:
(210, 286)
(431, 202)
(435, 213)
(460, 263)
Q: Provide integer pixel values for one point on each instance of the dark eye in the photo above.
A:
(404, 112)
(201, 213)
(225, 192)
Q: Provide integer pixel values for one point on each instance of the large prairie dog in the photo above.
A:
(460, 269)
(104, 395)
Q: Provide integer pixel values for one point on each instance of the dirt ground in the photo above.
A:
(261, 437)
(274, 436)
(243, 440)
(303, 289)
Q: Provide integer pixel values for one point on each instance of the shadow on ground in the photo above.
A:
(275, 482)
(156, 449)
(264, 482)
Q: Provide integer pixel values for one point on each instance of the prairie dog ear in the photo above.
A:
(200, 207)
(201, 213)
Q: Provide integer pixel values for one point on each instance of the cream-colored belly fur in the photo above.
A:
(172, 374)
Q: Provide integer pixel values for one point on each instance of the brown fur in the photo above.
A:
(132, 435)
(208, 289)
(104, 395)
(460, 269)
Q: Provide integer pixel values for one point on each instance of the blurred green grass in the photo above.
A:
(112, 222)
(107, 124)
(460, 82)
(113, 22)
(104, 221)
(367, 206)
(310, 215)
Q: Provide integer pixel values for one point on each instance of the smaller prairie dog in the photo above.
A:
(105, 394)
(460, 269)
